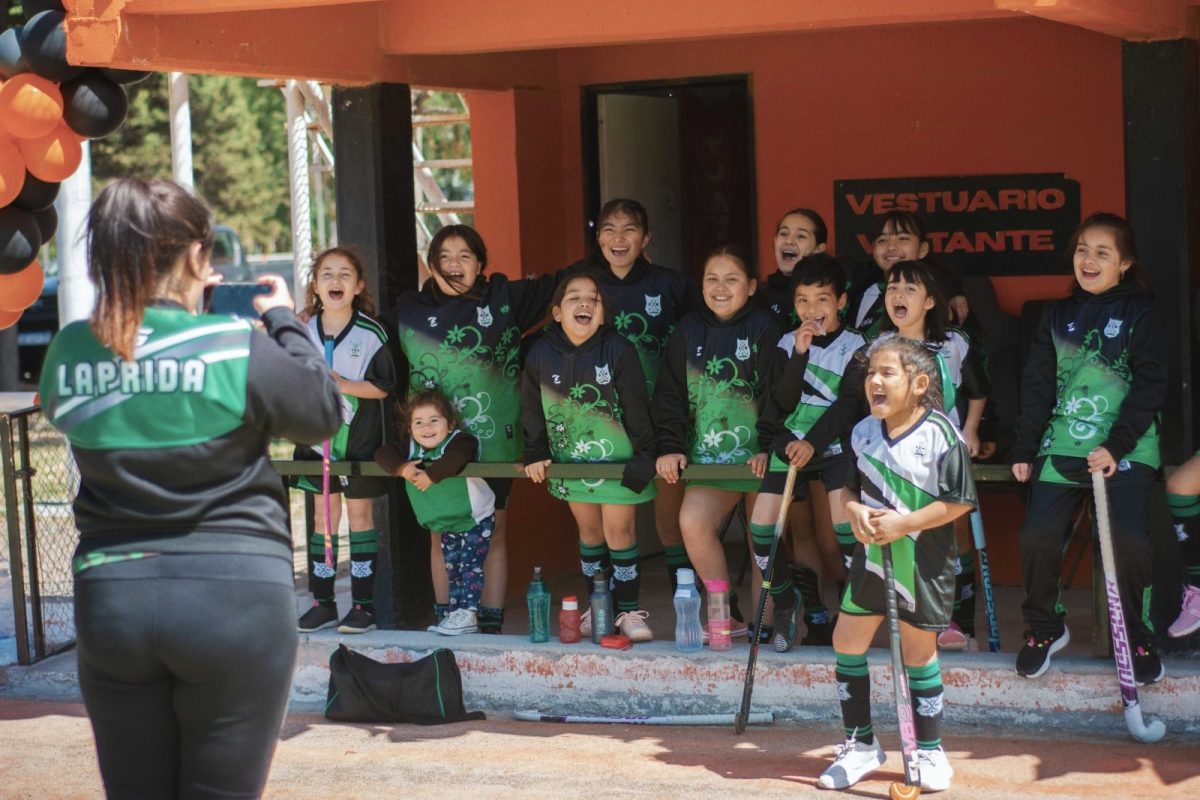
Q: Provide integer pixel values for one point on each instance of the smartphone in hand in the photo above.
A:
(234, 298)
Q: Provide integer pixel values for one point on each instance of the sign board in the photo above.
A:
(981, 224)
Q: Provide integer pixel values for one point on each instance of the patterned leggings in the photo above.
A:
(464, 554)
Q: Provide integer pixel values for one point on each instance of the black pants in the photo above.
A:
(185, 664)
(1048, 523)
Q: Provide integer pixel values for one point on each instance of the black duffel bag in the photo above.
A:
(424, 692)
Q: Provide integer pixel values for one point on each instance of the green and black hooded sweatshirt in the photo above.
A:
(469, 346)
(644, 306)
(778, 295)
(1096, 377)
(587, 403)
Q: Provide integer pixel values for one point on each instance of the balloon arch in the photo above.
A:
(47, 108)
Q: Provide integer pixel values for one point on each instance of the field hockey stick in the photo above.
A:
(985, 575)
(743, 714)
(1138, 728)
(911, 787)
(757, 718)
(325, 448)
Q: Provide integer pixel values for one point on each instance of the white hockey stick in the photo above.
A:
(755, 718)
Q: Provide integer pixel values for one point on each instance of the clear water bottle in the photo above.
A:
(602, 607)
(689, 636)
(538, 599)
(719, 626)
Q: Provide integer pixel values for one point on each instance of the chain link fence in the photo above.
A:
(38, 538)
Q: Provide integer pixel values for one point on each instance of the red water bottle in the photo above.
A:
(568, 621)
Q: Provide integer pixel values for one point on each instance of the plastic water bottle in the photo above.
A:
(719, 626)
(688, 632)
(538, 599)
(602, 607)
(568, 620)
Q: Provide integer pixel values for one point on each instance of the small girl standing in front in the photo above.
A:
(913, 479)
(1091, 393)
(460, 511)
(337, 305)
(708, 407)
(583, 400)
(917, 311)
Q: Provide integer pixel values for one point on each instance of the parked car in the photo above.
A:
(39, 323)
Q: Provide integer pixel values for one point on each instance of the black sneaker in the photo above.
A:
(318, 618)
(1147, 666)
(819, 634)
(359, 620)
(1034, 658)
(785, 627)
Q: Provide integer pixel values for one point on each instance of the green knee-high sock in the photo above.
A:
(781, 581)
(805, 578)
(320, 577)
(925, 686)
(364, 551)
(1185, 509)
(854, 693)
(963, 613)
(592, 559)
(627, 583)
(846, 541)
(677, 559)
(491, 619)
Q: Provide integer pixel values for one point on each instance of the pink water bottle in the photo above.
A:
(719, 625)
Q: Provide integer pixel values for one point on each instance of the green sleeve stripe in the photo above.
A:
(373, 326)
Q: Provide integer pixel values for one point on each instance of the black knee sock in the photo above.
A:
(846, 541)
(805, 578)
(490, 619)
(854, 692)
(925, 686)
(627, 583)
(677, 559)
(364, 550)
(321, 577)
(963, 614)
(440, 610)
(592, 559)
(781, 581)
(1185, 510)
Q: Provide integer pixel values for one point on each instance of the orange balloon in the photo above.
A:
(12, 172)
(9, 318)
(30, 106)
(53, 157)
(19, 290)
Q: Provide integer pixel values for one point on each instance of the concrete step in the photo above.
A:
(503, 673)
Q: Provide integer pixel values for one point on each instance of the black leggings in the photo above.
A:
(185, 664)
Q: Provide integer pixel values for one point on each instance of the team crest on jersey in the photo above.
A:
(484, 316)
(653, 304)
(1112, 328)
(919, 450)
(743, 349)
(356, 349)
(603, 375)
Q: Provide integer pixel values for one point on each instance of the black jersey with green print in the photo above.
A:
(469, 347)
(176, 440)
(587, 403)
(709, 400)
(1096, 376)
(777, 295)
(644, 306)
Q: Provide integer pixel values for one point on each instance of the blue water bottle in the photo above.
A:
(689, 635)
(538, 599)
(602, 607)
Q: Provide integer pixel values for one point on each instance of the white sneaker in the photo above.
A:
(935, 770)
(852, 761)
(633, 625)
(458, 622)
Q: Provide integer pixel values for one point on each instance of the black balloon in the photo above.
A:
(11, 61)
(47, 222)
(94, 106)
(44, 46)
(34, 7)
(125, 76)
(36, 194)
(20, 239)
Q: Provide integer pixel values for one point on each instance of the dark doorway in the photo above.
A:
(684, 149)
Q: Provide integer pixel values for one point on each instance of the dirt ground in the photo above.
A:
(47, 753)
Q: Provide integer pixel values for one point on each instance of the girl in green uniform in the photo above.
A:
(583, 399)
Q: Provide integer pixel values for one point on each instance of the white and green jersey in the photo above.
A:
(452, 505)
(927, 463)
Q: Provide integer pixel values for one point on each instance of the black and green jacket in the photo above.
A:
(777, 295)
(588, 403)
(176, 440)
(1096, 376)
(644, 306)
(709, 400)
(469, 346)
